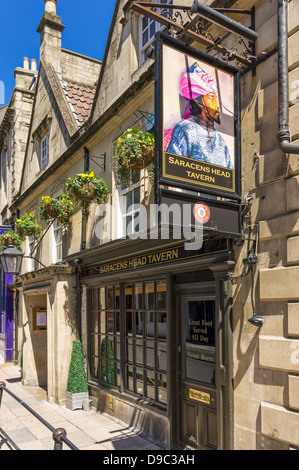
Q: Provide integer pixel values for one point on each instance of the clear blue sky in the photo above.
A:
(87, 25)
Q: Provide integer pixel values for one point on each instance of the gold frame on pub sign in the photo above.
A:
(198, 146)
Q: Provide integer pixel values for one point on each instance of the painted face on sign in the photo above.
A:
(212, 106)
(208, 107)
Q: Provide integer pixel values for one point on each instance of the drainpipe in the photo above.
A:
(284, 135)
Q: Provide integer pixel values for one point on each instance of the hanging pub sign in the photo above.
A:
(198, 133)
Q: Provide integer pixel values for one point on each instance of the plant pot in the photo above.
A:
(51, 211)
(89, 187)
(74, 401)
(30, 233)
(9, 241)
(145, 160)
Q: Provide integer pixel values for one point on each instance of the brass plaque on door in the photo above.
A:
(200, 396)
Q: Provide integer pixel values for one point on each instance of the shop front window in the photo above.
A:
(145, 340)
(105, 335)
(140, 327)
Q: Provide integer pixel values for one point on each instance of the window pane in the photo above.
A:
(130, 378)
(138, 323)
(161, 325)
(129, 350)
(110, 303)
(117, 297)
(129, 225)
(138, 296)
(95, 367)
(145, 21)
(162, 388)
(135, 177)
(107, 363)
(136, 196)
(145, 37)
(139, 381)
(117, 322)
(149, 295)
(152, 29)
(150, 325)
(102, 315)
(110, 322)
(150, 354)
(117, 348)
(139, 352)
(136, 223)
(161, 356)
(129, 326)
(94, 321)
(150, 385)
(161, 295)
(129, 297)
(102, 298)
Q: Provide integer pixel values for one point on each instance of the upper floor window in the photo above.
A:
(41, 139)
(130, 206)
(44, 152)
(148, 28)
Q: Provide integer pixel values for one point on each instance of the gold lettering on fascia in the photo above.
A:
(139, 261)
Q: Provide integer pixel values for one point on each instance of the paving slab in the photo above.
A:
(88, 430)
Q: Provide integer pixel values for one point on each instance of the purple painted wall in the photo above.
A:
(8, 310)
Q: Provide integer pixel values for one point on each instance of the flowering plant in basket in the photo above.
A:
(27, 226)
(10, 238)
(134, 151)
(61, 209)
(86, 187)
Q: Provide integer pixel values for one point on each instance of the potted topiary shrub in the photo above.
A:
(86, 187)
(134, 151)
(28, 226)
(77, 388)
(61, 209)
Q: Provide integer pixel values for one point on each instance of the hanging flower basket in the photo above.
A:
(61, 209)
(28, 226)
(51, 211)
(86, 193)
(10, 238)
(134, 151)
(147, 156)
(86, 186)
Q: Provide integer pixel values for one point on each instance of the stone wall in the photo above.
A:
(267, 359)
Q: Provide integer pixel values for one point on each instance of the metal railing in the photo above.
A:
(58, 434)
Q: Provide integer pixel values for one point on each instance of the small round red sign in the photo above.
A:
(202, 213)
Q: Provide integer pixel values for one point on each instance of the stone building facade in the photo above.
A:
(82, 106)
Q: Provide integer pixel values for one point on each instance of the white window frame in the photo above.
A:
(152, 27)
(132, 211)
(57, 246)
(44, 151)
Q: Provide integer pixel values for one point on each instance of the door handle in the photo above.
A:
(179, 349)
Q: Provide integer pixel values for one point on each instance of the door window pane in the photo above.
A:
(200, 340)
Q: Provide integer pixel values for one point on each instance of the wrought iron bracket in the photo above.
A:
(88, 157)
(195, 22)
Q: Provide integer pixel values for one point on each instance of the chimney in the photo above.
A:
(50, 6)
(26, 63)
(33, 65)
(50, 29)
(23, 75)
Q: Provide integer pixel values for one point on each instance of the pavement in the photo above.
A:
(87, 430)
